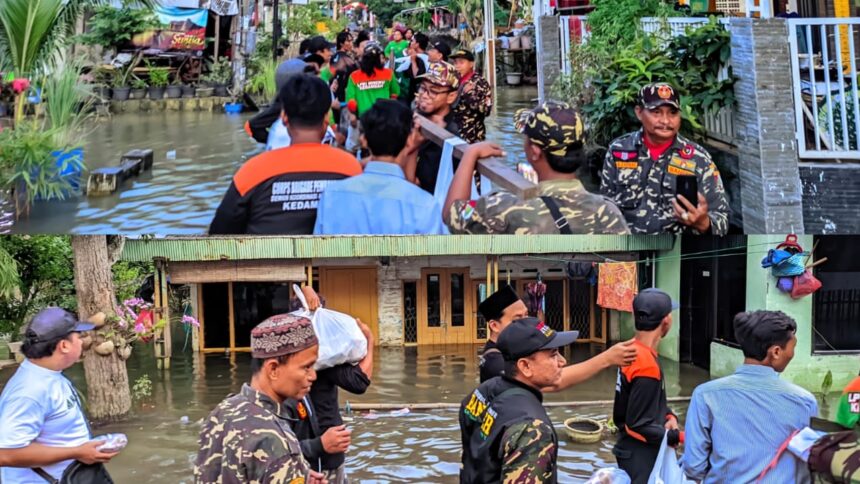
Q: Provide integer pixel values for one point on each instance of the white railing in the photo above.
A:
(824, 79)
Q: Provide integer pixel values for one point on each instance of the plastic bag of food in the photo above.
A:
(340, 338)
(666, 468)
(610, 475)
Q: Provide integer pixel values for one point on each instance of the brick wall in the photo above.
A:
(764, 127)
(831, 197)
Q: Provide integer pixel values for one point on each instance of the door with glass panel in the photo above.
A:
(444, 303)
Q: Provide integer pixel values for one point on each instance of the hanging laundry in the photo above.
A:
(617, 285)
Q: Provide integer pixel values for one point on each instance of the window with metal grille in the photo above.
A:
(579, 306)
(836, 306)
(410, 312)
(554, 304)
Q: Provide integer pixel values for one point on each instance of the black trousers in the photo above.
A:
(635, 457)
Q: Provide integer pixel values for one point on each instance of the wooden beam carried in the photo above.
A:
(495, 169)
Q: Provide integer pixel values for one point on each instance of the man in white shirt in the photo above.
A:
(43, 425)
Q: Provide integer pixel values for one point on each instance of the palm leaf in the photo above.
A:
(27, 24)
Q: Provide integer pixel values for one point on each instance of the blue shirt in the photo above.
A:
(379, 201)
(40, 406)
(735, 426)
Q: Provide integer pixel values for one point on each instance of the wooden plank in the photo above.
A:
(264, 270)
(495, 169)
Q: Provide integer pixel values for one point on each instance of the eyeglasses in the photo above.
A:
(431, 92)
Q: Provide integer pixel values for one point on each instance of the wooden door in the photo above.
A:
(352, 290)
(444, 307)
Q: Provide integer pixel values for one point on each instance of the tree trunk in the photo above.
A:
(108, 394)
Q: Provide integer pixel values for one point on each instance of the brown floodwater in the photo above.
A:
(388, 445)
(180, 194)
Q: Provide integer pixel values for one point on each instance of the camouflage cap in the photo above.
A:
(554, 126)
(372, 46)
(282, 334)
(441, 74)
(659, 94)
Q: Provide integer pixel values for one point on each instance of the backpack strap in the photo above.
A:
(560, 222)
(44, 475)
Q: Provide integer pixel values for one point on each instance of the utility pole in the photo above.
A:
(276, 29)
(490, 44)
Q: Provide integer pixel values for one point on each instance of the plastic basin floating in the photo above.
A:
(233, 108)
(583, 430)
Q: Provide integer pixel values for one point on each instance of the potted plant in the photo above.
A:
(174, 91)
(113, 28)
(205, 91)
(220, 75)
(120, 90)
(158, 79)
(188, 90)
(10, 334)
(138, 88)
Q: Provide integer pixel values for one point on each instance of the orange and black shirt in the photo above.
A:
(277, 192)
(640, 409)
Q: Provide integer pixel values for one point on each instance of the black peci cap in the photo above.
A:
(527, 336)
(494, 306)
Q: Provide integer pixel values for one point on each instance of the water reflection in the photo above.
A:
(388, 446)
(179, 196)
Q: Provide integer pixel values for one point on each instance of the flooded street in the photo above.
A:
(419, 446)
(179, 196)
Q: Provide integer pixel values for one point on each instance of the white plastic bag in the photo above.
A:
(610, 475)
(341, 340)
(666, 468)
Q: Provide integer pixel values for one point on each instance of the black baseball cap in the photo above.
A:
(650, 306)
(318, 43)
(442, 47)
(52, 323)
(463, 54)
(659, 94)
(527, 336)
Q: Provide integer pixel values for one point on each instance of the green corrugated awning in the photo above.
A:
(284, 247)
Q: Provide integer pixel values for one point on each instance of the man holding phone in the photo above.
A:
(660, 180)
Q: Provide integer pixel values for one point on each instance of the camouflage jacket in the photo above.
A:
(474, 104)
(505, 213)
(246, 439)
(643, 189)
(507, 435)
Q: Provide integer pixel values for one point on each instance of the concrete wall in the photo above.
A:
(669, 280)
(764, 127)
(806, 369)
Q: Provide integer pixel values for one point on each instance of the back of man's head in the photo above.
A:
(386, 127)
(362, 36)
(422, 40)
(303, 46)
(306, 100)
(758, 331)
(342, 38)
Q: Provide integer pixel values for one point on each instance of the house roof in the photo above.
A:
(305, 247)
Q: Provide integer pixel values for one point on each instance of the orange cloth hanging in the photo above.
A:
(617, 285)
